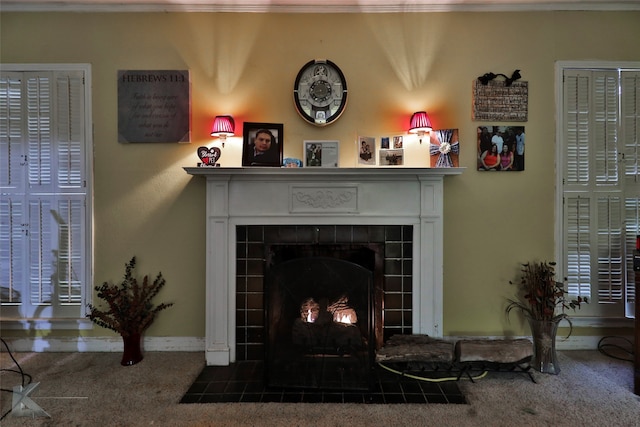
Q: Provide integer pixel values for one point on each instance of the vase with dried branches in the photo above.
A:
(543, 300)
(130, 310)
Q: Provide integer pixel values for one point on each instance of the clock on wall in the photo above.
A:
(320, 92)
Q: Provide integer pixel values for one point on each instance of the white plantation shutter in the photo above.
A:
(601, 204)
(630, 140)
(43, 213)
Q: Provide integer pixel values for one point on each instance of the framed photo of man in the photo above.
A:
(262, 144)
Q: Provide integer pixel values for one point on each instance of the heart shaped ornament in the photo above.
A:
(209, 156)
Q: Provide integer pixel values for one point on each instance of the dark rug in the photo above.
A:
(245, 382)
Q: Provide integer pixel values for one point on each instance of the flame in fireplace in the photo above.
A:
(342, 312)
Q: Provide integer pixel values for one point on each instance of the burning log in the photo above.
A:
(342, 312)
(309, 310)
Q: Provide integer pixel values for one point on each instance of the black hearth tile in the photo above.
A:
(343, 233)
(271, 396)
(374, 398)
(393, 284)
(241, 233)
(392, 266)
(360, 234)
(407, 250)
(393, 233)
(230, 397)
(394, 398)
(390, 387)
(456, 398)
(255, 284)
(292, 397)
(436, 398)
(255, 267)
(353, 398)
(211, 398)
(312, 397)
(255, 351)
(332, 397)
(234, 387)
(407, 233)
(254, 233)
(217, 373)
(255, 318)
(251, 397)
(411, 387)
(393, 250)
(449, 387)
(255, 301)
(326, 234)
(430, 388)
(392, 317)
(217, 387)
(254, 387)
(306, 234)
(255, 250)
(197, 387)
(415, 398)
(190, 398)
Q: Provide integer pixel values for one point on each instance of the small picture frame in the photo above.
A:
(262, 144)
(323, 154)
(366, 146)
(392, 157)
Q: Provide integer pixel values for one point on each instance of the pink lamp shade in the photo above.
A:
(223, 126)
(420, 123)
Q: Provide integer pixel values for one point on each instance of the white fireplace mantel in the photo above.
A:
(320, 196)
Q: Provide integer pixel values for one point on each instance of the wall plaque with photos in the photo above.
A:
(154, 106)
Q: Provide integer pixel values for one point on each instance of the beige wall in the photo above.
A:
(245, 65)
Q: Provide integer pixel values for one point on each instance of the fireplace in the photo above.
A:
(323, 306)
(309, 206)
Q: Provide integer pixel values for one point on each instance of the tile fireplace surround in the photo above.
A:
(320, 197)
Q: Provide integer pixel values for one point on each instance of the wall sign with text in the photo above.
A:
(496, 101)
(154, 106)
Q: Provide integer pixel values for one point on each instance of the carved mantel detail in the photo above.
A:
(334, 198)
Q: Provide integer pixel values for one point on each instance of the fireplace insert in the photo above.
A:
(322, 305)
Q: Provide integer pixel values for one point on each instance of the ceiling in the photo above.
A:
(313, 6)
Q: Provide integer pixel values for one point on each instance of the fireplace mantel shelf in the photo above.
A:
(377, 196)
(320, 173)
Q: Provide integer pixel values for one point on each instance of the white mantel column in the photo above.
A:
(219, 304)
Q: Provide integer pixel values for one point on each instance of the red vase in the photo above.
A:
(132, 350)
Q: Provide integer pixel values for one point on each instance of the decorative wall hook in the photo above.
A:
(487, 77)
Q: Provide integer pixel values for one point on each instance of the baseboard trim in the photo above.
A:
(102, 344)
(195, 344)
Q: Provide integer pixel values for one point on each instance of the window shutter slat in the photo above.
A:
(605, 127)
(39, 117)
(70, 130)
(578, 245)
(576, 92)
(610, 249)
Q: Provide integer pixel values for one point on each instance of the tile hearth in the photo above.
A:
(244, 382)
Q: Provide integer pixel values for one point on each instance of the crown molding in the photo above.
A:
(316, 6)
